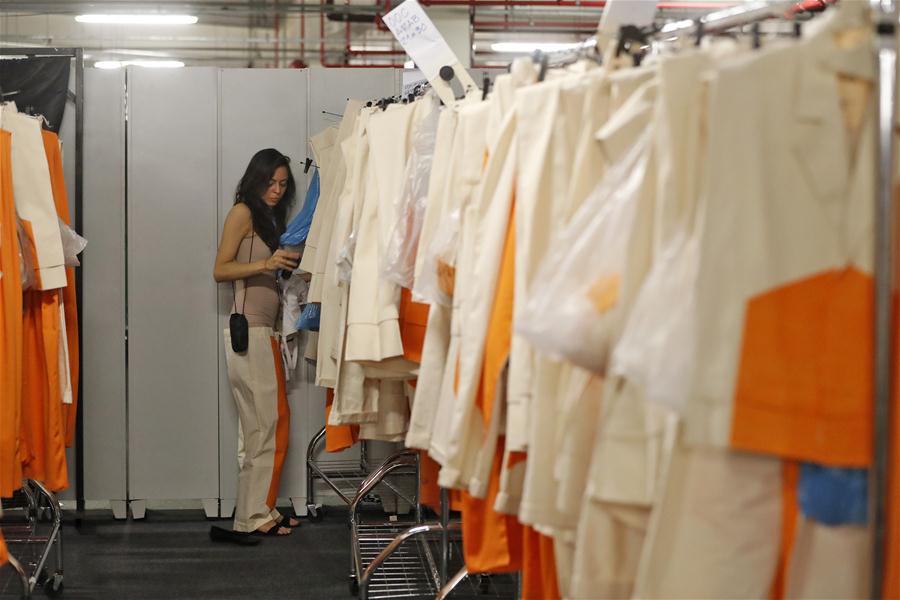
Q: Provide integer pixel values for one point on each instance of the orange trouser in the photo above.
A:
(338, 437)
(42, 441)
(10, 328)
(70, 305)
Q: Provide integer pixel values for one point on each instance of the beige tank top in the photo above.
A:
(257, 296)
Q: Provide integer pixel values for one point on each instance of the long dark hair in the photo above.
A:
(268, 223)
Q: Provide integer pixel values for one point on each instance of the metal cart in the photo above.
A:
(414, 562)
(32, 529)
(369, 536)
(344, 477)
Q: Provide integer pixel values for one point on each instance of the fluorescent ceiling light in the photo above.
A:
(525, 47)
(153, 64)
(132, 19)
(367, 48)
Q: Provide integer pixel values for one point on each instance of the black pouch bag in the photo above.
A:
(240, 332)
(237, 324)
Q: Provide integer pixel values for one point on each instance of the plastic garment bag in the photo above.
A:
(398, 263)
(309, 318)
(439, 273)
(73, 244)
(293, 298)
(298, 229)
(657, 347)
(577, 303)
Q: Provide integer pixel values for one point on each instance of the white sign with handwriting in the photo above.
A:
(420, 38)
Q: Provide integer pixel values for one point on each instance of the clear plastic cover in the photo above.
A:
(398, 263)
(73, 244)
(345, 259)
(437, 279)
(577, 303)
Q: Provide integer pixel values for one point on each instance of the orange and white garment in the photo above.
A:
(34, 195)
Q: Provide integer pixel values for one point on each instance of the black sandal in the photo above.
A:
(286, 522)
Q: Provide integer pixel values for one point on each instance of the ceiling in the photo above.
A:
(269, 33)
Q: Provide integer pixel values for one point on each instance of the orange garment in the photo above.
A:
(429, 491)
(789, 515)
(282, 429)
(42, 439)
(70, 304)
(804, 388)
(10, 328)
(539, 580)
(4, 555)
(413, 321)
(338, 437)
(492, 542)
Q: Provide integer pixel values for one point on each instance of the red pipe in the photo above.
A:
(343, 65)
(377, 52)
(504, 26)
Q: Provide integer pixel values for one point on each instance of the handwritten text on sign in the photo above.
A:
(420, 38)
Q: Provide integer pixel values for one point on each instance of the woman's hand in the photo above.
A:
(283, 259)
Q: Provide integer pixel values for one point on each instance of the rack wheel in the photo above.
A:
(53, 587)
(354, 586)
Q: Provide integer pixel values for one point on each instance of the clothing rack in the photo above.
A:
(884, 19)
(77, 54)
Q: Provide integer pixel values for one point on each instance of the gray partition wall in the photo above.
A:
(173, 399)
(103, 318)
(159, 421)
(259, 108)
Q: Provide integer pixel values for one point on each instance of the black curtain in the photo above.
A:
(37, 85)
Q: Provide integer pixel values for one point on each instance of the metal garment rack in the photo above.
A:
(77, 54)
(53, 583)
(31, 549)
(885, 21)
(343, 476)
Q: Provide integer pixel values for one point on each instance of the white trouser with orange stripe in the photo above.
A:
(257, 383)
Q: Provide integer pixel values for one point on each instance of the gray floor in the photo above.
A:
(169, 556)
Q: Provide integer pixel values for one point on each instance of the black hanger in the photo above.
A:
(307, 164)
(698, 34)
(485, 86)
(757, 42)
(632, 40)
(541, 59)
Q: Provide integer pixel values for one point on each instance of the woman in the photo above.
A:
(249, 258)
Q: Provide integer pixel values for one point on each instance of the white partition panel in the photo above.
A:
(103, 319)
(259, 108)
(172, 319)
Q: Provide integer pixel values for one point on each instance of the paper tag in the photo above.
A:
(626, 12)
(420, 38)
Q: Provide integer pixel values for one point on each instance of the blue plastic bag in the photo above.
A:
(298, 229)
(309, 317)
(834, 496)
